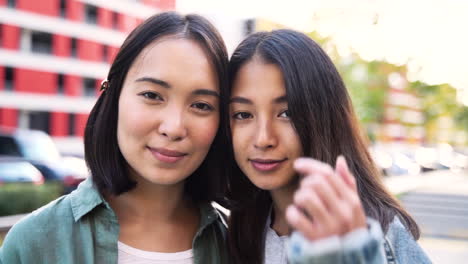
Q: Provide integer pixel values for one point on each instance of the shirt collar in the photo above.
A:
(85, 198)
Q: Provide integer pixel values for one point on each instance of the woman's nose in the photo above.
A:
(172, 126)
(265, 136)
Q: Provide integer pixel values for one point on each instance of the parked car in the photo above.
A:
(38, 148)
(395, 162)
(19, 171)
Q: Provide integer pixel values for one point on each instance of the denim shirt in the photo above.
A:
(363, 246)
(82, 228)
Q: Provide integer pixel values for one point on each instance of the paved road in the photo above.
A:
(439, 203)
(439, 215)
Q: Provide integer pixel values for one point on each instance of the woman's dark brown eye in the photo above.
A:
(284, 114)
(151, 96)
(203, 106)
(241, 115)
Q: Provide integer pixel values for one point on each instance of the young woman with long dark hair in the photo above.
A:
(154, 148)
(288, 101)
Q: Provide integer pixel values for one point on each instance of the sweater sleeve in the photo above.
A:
(359, 246)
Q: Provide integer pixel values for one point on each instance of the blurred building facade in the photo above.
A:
(53, 56)
(403, 117)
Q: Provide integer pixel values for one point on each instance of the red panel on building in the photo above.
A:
(80, 124)
(104, 17)
(8, 117)
(59, 124)
(3, 2)
(61, 45)
(31, 81)
(89, 50)
(111, 53)
(11, 37)
(126, 23)
(73, 85)
(98, 86)
(75, 10)
(49, 7)
(161, 4)
(139, 21)
(2, 78)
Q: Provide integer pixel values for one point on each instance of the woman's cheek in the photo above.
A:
(206, 131)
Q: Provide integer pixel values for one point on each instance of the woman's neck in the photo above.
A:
(149, 202)
(282, 198)
(156, 217)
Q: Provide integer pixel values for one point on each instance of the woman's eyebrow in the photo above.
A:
(243, 100)
(280, 99)
(206, 92)
(154, 81)
(240, 100)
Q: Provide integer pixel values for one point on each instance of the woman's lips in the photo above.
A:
(167, 155)
(266, 165)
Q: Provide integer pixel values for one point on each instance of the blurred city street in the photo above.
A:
(439, 202)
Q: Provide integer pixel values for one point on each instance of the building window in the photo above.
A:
(41, 42)
(73, 49)
(40, 121)
(9, 76)
(11, 3)
(63, 8)
(91, 14)
(60, 84)
(71, 124)
(89, 86)
(115, 20)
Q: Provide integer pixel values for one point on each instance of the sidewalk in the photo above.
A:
(442, 250)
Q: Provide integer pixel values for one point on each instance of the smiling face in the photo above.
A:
(168, 111)
(264, 140)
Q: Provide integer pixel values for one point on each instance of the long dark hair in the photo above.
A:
(102, 154)
(322, 115)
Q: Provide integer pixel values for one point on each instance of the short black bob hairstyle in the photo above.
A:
(107, 165)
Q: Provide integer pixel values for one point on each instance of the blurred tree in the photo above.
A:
(440, 101)
(368, 85)
(366, 81)
(461, 118)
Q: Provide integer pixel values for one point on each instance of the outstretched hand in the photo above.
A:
(327, 202)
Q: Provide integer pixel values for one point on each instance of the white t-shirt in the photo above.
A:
(132, 255)
(275, 246)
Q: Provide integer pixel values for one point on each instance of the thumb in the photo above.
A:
(342, 169)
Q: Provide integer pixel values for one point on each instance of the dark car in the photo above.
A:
(38, 148)
(19, 171)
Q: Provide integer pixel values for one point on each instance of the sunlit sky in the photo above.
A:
(431, 36)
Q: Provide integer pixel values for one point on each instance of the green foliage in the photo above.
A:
(368, 87)
(461, 118)
(19, 198)
(438, 100)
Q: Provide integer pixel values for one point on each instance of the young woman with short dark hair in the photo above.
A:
(154, 148)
